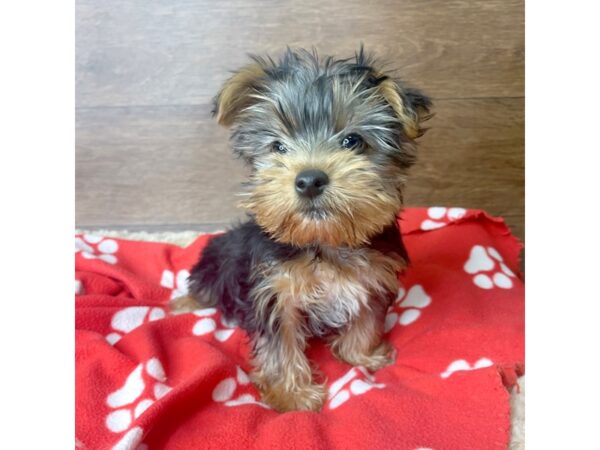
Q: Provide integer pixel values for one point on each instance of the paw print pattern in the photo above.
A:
(78, 287)
(144, 385)
(407, 307)
(178, 283)
(240, 384)
(461, 365)
(355, 382)
(128, 319)
(208, 325)
(440, 217)
(92, 246)
(488, 259)
(130, 440)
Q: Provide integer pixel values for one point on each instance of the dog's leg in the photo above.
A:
(360, 344)
(190, 303)
(282, 371)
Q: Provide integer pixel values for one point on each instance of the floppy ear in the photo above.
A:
(411, 106)
(236, 93)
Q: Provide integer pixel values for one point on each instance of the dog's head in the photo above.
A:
(329, 142)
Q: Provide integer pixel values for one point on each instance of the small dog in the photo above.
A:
(329, 142)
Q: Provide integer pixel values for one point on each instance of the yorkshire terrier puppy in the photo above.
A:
(329, 142)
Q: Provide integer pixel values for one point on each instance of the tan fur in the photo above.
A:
(187, 303)
(181, 305)
(361, 344)
(283, 373)
(410, 120)
(339, 286)
(236, 93)
(359, 202)
(278, 395)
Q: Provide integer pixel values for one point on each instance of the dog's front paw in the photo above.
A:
(302, 398)
(383, 355)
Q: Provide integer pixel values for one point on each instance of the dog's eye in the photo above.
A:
(352, 141)
(279, 147)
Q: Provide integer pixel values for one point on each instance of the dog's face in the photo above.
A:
(329, 142)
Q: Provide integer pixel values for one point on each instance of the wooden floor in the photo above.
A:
(150, 157)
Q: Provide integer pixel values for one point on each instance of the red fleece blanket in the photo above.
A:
(149, 380)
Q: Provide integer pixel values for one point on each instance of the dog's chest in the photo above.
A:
(336, 286)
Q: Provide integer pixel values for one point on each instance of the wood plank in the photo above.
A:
(473, 156)
(153, 166)
(150, 52)
(145, 167)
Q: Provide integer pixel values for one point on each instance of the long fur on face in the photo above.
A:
(309, 105)
(356, 204)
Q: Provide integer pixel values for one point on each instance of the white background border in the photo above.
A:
(562, 225)
(562, 218)
(37, 263)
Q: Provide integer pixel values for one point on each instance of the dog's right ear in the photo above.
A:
(237, 93)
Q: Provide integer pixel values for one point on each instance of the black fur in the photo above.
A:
(227, 264)
(224, 270)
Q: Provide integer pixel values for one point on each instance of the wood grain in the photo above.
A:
(153, 165)
(150, 52)
(473, 155)
(148, 155)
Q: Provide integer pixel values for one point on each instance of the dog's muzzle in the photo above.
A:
(311, 183)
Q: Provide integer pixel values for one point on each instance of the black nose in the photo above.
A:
(311, 183)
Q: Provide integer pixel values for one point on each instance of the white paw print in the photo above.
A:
(128, 319)
(78, 287)
(461, 365)
(225, 390)
(480, 261)
(407, 307)
(208, 325)
(179, 282)
(144, 385)
(355, 382)
(440, 217)
(92, 246)
(130, 440)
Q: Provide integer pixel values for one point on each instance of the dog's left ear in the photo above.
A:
(411, 106)
(236, 93)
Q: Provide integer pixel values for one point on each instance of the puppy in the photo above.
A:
(329, 142)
